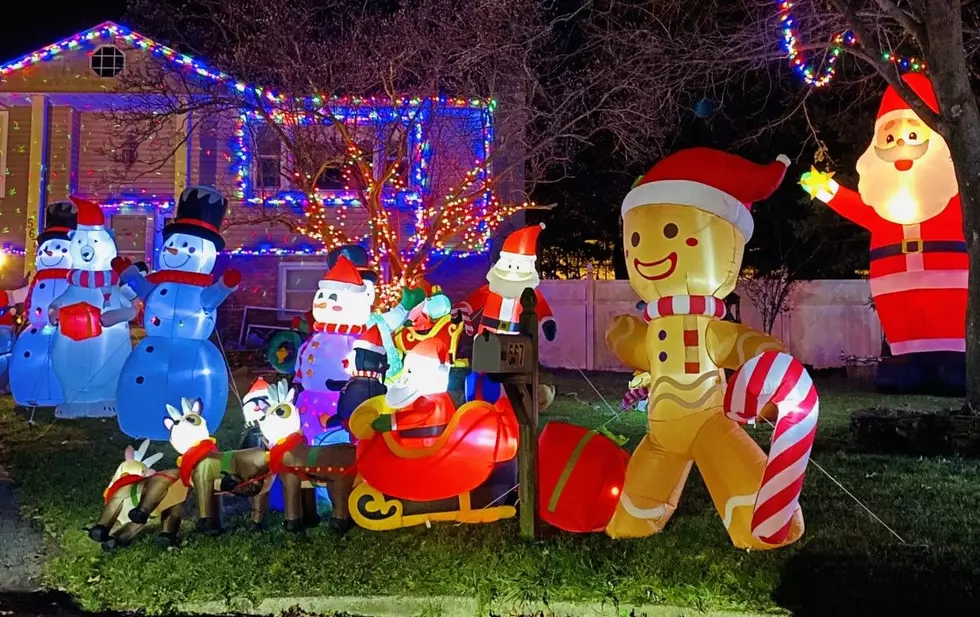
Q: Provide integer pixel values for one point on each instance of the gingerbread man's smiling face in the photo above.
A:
(679, 250)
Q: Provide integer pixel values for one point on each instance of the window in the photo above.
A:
(298, 283)
(107, 61)
(311, 148)
(3, 152)
(397, 146)
(268, 159)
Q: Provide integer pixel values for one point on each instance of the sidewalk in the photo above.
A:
(21, 544)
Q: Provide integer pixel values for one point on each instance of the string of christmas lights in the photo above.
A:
(808, 70)
(472, 214)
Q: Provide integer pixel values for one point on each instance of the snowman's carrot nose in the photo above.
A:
(172, 250)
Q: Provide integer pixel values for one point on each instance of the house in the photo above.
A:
(58, 137)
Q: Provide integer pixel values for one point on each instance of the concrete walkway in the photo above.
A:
(394, 606)
(21, 544)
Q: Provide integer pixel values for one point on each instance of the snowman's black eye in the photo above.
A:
(184, 245)
(64, 250)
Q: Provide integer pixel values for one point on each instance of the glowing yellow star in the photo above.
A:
(815, 181)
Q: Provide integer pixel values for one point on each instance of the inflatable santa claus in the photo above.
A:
(499, 301)
(908, 199)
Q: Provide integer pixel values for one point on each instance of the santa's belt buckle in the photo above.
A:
(911, 246)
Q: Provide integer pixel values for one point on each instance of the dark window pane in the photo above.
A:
(269, 172)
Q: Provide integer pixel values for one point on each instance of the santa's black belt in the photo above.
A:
(424, 431)
(499, 325)
(912, 247)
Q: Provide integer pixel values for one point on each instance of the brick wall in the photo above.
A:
(260, 284)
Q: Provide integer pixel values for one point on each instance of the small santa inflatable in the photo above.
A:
(499, 301)
(422, 448)
(908, 198)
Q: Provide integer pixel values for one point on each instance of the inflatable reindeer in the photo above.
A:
(210, 472)
(301, 468)
(135, 480)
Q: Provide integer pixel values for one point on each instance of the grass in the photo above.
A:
(847, 563)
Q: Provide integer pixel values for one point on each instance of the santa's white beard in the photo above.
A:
(913, 196)
(511, 289)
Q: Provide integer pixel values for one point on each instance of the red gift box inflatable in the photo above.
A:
(580, 477)
(80, 321)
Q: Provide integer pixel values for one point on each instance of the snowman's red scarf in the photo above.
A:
(43, 275)
(190, 459)
(338, 328)
(95, 279)
(178, 276)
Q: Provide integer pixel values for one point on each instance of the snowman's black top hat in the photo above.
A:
(358, 256)
(200, 212)
(59, 218)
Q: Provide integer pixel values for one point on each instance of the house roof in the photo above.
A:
(109, 32)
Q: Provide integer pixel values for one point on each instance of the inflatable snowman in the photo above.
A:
(341, 308)
(389, 321)
(32, 379)
(92, 341)
(176, 360)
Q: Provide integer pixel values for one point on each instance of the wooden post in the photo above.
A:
(523, 396)
(36, 178)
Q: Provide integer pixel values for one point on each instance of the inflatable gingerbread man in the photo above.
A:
(908, 198)
(685, 226)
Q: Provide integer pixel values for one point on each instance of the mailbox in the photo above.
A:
(503, 354)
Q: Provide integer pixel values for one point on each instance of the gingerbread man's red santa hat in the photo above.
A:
(714, 181)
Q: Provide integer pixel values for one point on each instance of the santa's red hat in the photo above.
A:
(90, 215)
(523, 241)
(371, 341)
(893, 106)
(259, 389)
(343, 277)
(433, 348)
(718, 182)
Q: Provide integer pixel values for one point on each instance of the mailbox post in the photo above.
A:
(512, 360)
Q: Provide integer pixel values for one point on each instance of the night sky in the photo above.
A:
(56, 25)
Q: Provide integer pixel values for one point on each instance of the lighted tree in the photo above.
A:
(353, 96)
(713, 50)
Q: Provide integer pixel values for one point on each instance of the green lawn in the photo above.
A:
(846, 563)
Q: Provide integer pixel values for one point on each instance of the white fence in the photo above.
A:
(827, 318)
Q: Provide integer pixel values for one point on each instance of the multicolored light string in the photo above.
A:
(817, 76)
(473, 212)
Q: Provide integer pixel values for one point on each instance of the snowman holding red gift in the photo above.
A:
(92, 315)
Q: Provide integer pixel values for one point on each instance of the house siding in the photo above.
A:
(13, 202)
(100, 177)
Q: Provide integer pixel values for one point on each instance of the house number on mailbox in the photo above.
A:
(515, 355)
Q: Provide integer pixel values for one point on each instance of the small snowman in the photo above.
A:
(92, 342)
(341, 308)
(388, 321)
(181, 301)
(32, 380)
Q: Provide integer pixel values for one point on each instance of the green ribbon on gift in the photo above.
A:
(619, 440)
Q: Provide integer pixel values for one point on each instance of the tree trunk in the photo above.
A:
(960, 125)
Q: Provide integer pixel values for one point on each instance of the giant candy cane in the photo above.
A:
(779, 378)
